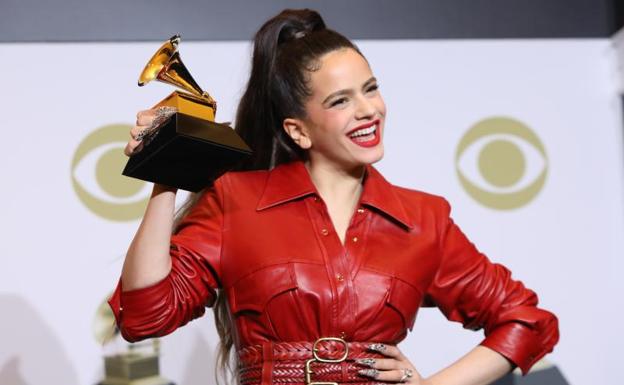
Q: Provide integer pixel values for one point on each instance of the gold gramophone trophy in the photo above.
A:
(189, 150)
(135, 366)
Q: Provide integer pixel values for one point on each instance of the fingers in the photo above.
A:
(397, 375)
(396, 368)
(155, 116)
(144, 121)
(135, 144)
(138, 132)
(132, 147)
(380, 363)
(387, 350)
(146, 117)
(147, 122)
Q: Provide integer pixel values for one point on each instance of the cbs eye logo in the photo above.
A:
(96, 176)
(501, 163)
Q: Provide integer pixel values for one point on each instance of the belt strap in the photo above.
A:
(284, 362)
(294, 373)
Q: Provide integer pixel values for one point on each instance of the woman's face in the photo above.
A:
(345, 113)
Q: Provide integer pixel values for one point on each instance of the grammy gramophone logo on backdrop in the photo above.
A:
(501, 163)
(97, 180)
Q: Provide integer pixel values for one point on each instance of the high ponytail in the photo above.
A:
(286, 48)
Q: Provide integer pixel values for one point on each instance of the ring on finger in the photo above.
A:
(162, 114)
(142, 134)
(381, 348)
(407, 373)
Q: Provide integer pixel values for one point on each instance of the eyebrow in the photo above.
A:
(347, 91)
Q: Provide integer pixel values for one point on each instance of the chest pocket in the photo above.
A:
(254, 291)
(406, 299)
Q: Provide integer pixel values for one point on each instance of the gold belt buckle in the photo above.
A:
(316, 358)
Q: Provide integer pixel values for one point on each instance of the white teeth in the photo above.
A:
(364, 131)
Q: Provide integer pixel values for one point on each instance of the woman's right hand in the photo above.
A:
(146, 123)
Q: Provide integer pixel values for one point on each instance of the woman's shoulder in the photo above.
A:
(418, 202)
(416, 195)
(412, 199)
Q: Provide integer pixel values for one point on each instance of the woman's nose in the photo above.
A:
(364, 108)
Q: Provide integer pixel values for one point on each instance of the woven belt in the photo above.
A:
(328, 360)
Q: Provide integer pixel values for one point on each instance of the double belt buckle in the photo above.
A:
(316, 358)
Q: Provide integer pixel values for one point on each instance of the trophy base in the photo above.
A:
(187, 153)
(132, 369)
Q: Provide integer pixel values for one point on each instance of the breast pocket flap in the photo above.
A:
(253, 291)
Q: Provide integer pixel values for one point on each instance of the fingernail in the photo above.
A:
(369, 372)
(377, 347)
(366, 361)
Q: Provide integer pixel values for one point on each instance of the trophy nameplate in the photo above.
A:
(189, 150)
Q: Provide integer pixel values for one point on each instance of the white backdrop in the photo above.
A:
(60, 259)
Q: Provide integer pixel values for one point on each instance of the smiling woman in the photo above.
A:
(345, 112)
(315, 265)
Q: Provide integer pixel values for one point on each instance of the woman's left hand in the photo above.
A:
(396, 368)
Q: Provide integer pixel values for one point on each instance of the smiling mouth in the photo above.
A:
(366, 135)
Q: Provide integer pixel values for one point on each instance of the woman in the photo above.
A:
(315, 249)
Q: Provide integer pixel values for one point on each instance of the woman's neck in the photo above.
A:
(336, 184)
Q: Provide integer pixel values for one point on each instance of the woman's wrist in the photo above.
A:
(161, 188)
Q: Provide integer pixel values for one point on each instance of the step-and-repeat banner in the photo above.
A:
(523, 137)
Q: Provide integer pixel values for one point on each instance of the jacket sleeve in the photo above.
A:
(470, 289)
(191, 284)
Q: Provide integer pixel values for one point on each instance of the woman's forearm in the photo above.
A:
(148, 260)
(480, 366)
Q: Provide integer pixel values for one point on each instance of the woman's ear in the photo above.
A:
(298, 131)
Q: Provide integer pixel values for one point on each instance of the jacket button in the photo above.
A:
(339, 277)
(324, 231)
(360, 210)
(355, 239)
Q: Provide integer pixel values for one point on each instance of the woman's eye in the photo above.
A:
(372, 88)
(338, 102)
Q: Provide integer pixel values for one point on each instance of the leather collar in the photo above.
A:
(291, 181)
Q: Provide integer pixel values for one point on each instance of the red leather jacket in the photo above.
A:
(266, 239)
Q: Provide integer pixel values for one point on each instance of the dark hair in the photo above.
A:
(286, 49)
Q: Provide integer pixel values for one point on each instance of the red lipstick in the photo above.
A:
(368, 136)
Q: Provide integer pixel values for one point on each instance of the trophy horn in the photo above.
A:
(167, 66)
